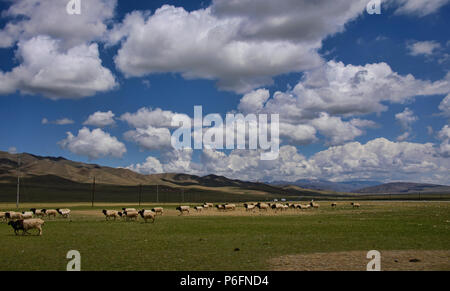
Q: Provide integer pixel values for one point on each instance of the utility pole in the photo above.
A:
(18, 182)
(93, 192)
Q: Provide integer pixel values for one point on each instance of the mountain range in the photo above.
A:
(41, 169)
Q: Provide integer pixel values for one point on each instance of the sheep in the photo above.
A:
(277, 206)
(313, 204)
(50, 212)
(355, 205)
(25, 225)
(249, 206)
(209, 204)
(183, 209)
(111, 213)
(2, 215)
(27, 214)
(11, 215)
(229, 207)
(159, 210)
(220, 207)
(262, 206)
(145, 214)
(198, 208)
(129, 209)
(37, 212)
(65, 213)
(285, 207)
(333, 204)
(205, 206)
(131, 214)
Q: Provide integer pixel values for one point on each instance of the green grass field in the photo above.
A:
(224, 241)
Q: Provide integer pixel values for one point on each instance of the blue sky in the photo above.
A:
(122, 56)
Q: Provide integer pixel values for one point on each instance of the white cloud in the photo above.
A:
(30, 18)
(241, 45)
(150, 138)
(93, 144)
(378, 159)
(12, 150)
(444, 106)
(418, 7)
(406, 119)
(348, 90)
(47, 70)
(444, 135)
(62, 121)
(150, 166)
(426, 48)
(145, 117)
(100, 119)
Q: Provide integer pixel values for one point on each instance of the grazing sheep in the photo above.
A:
(11, 215)
(37, 212)
(277, 206)
(183, 209)
(313, 204)
(159, 210)
(262, 206)
(198, 208)
(229, 207)
(50, 212)
(131, 214)
(121, 215)
(355, 205)
(27, 214)
(205, 206)
(249, 206)
(220, 207)
(333, 205)
(129, 209)
(210, 205)
(145, 214)
(25, 225)
(111, 213)
(65, 213)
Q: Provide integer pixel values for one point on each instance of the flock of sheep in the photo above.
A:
(33, 219)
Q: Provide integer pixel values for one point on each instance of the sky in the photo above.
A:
(359, 96)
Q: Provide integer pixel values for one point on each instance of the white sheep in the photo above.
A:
(27, 214)
(355, 205)
(131, 214)
(37, 212)
(50, 212)
(129, 209)
(158, 210)
(229, 206)
(110, 213)
(11, 215)
(183, 209)
(198, 208)
(262, 206)
(65, 213)
(333, 205)
(249, 206)
(145, 214)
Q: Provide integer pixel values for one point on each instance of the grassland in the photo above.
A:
(225, 241)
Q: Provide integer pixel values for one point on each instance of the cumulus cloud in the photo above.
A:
(12, 150)
(62, 121)
(150, 138)
(426, 48)
(378, 159)
(242, 45)
(406, 119)
(30, 18)
(145, 117)
(444, 135)
(348, 90)
(100, 119)
(93, 144)
(47, 70)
